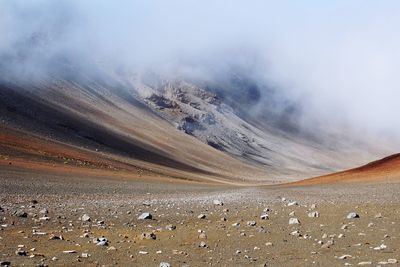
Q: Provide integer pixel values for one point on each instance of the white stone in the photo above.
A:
(85, 218)
(145, 216)
(352, 215)
(294, 221)
(345, 257)
(218, 202)
(313, 214)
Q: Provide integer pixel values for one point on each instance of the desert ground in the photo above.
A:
(60, 220)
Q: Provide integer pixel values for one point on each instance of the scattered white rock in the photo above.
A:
(56, 237)
(328, 244)
(344, 257)
(21, 252)
(292, 203)
(69, 251)
(44, 218)
(251, 223)
(218, 202)
(313, 214)
(381, 247)
(165, 264)
(352, 215)
(146, 203)
(295, 233)
(202, 244)
(85, 218)
(365, 263)
(101, 241)
(264, 216)
(202, 236)
(145, 216)
(170, 227)
(201, 216)
(294, 221)
(44, 211)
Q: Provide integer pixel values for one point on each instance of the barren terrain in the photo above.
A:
(110, 172)
(194, 224)
(229, 236)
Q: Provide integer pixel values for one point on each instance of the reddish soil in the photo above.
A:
(385, 170)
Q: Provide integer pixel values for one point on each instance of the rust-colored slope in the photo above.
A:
(381, 171)
(22, 151)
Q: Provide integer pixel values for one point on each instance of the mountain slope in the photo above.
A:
(381, 171)
(117, 126)
(166, 126)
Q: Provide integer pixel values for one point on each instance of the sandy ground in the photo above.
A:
(114, 206)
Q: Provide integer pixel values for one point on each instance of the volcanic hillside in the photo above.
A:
(385, 170)
(109, 122)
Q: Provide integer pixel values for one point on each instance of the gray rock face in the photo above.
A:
(145, 216)
(352, 215)
(85, 218)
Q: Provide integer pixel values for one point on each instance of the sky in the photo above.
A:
(339, 59)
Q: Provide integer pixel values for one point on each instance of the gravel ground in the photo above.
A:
(232, 234)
